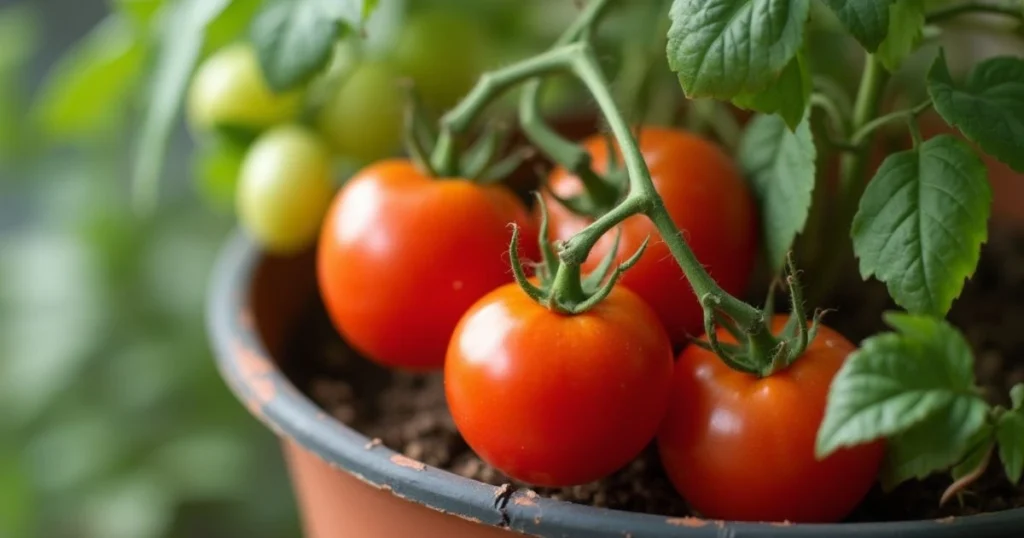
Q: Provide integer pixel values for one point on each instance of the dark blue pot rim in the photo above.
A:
(245, 365)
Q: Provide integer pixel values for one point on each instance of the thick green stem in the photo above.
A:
(460, 118)
(567, 288)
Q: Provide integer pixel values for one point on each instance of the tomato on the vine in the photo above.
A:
(284, 187)
(708, 200)
(363, 118)
(739, 447)
(229, 91)
(553, 399)
(402, 256)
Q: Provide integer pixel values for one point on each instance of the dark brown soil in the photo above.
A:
(408, 412)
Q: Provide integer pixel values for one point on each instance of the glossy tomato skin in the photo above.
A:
(557, 400)
(402, 256)
(742, 448)
(708, 200)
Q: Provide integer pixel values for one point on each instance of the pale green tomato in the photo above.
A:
(284, 188)
(363, 119)
(444, 53)
(228, 91)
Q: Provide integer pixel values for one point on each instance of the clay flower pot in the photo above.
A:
(349, 487)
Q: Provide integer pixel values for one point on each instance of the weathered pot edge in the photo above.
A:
(248, 371)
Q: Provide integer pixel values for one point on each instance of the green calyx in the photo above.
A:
(487, 160)
(762, 353)
(562, 287)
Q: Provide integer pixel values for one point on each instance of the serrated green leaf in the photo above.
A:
(923, 373)
(787, 96)
(181, 43)
(921, 223)
(780, 164)
(978, 447)
(85, 92)
(866, 20)
(721, 48)
(989, 107)
(935, 444)
(906, 27)
(294, 38)
(1010, 434)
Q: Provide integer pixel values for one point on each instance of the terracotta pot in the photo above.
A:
(348, 487)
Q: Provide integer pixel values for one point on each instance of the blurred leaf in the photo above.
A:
(140, 11)
(207, 466)
(232, 24)
(52, 319)
(86, 91)
(181, 44)
(137, 506)
(215, 168)
(18, 42)
(16, 496)
(177, 262)
(80, 446)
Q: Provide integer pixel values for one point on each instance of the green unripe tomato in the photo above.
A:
(229, 91)
(284, 188)
(363, 119)
(444, 53)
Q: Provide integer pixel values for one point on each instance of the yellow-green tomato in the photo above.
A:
(229, 91)
(444, 52)
(284, 188)
(363, 119)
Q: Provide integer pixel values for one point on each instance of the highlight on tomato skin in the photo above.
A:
(707, 198)
(557, 400)
(741, 448)
(402, 256)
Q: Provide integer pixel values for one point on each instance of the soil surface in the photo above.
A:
(408, 412)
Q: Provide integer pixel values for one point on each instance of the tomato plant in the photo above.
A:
(229, 91)
(708, 200)
(741, 447)
(402, 256)
(284, 188)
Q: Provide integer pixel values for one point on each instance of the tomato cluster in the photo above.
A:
(272, 155)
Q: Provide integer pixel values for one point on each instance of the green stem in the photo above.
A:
(460, 118)
(865, 131)
(567, 288)
(1010, 9)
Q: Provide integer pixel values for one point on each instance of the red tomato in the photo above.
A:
(709, 201)
(557, 400)
(742, 448)
(402, 256)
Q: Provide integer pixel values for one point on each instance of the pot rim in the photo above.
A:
(245, 364)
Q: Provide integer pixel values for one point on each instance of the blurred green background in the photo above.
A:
(113, 420)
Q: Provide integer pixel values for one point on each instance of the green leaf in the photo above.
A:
(787, 96)
(906, 27)
(867, 20)
(141, 12)
(978, 447)
(935, 444)
(294, 38)
(85, 92)
(780, 164)
(721, 48)
(181, 44)
(232, 24)
(1010, 434)
(988, 109)
(899, 381)
(921, 223)
(1017, 396)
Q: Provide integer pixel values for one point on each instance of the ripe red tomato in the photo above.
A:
(742, 448)
(402, 256)
(557, 400)
(709, 201)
